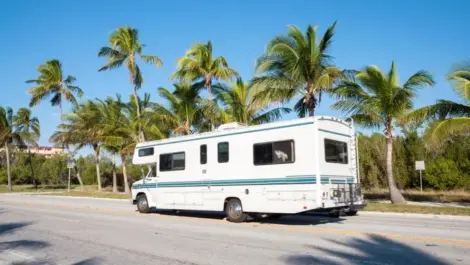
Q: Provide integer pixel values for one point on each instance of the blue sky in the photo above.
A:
(430, 35)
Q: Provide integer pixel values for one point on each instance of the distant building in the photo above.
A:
(47, 151)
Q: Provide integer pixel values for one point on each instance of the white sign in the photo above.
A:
(419, 165)
(70, 163)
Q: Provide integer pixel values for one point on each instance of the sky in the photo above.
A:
(430, 35)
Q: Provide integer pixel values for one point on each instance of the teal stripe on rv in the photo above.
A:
(248, 182)
(228, 134)
(337, 133)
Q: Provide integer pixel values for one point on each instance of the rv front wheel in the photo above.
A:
(234, 211)
(142, 204)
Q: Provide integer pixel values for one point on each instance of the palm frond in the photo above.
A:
(461, 82)
(441, 130)
(152, 60)
(419, 79)
(441, 110)
(269, 116)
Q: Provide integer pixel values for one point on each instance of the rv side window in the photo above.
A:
(336, 151)
(223, 152)
(281, 152)
(203, 154)
(146, 152)
(170, 162)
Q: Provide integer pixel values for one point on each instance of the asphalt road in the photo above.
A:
(38, 230)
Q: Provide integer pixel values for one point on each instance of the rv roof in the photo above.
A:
(245, 128)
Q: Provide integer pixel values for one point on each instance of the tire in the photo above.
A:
(234, 211)
(351, 213)
(334, 214)
(142, 204)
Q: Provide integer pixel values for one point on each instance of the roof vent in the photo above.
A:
(231, 126)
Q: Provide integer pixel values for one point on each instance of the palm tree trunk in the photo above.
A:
(137, 105)
(79, 178)
(395, 195)
(32, 169)
(8, 167)
(114, 175)
(97, 164)
(124, 173)
(311, 112)
(60, 108)
(209, 96)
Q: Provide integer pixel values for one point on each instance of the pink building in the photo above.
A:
(47, 151)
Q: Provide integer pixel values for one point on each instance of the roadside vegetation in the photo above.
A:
(293, 73)
(407, 208)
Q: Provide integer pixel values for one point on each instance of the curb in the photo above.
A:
(417, 215)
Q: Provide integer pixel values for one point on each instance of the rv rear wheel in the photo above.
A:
(142, 204)
(351, 213)
(234, 211)
(334, 214)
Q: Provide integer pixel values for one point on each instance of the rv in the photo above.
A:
(279, 168)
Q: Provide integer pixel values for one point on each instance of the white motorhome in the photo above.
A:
(285, 167)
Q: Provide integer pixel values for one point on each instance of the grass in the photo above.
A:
(88, 191)
(29, 188)
(45, 188)
(425, 196)
(93, 194)
(407, 208)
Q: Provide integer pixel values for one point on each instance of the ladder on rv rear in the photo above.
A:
(354, 154)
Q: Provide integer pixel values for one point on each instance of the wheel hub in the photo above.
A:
(142, 203)
(236, 210)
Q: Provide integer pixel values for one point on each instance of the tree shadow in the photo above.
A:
(371, 250)
(90, 261)
(11, 227)
(28, 244)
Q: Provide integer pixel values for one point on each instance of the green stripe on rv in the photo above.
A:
(244, 132)
(332, 132)
(248, 182)
(228, 134)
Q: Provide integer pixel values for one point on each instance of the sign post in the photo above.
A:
(70, 165)
(419, 165)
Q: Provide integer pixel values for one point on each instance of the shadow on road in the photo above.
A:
(11, 227)
(21, 245)
(24, 244)
(371, 250)
(91, 261)
(310, 219)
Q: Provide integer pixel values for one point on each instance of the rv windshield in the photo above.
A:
(152, 173)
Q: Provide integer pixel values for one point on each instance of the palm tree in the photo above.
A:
(67, 139)
(448, 118)
(199, 64)
(82, 127)
(183, 112)
(297, 64)
(239, 104)
(28, 125)
(125, 47)
(121, 127)
(112, 116)
(10, 135)
(376, 99)
(52, 82)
